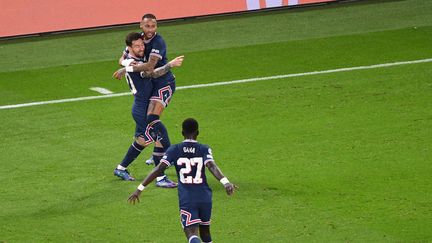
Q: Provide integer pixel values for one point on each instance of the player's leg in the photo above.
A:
(132, 153)
(191, 233)
(161, 136)
(189, 218)
(205, 235)
(161, 96)
(159, 131)
(158, 153)
(141, 141)
(162, 180)
(159, 100)
(205, 215)
(150, 160)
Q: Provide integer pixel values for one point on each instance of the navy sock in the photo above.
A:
(132, 153)
(158, 153)
(206, 238)
(160, 131)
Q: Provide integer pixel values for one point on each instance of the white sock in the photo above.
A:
(119, 167)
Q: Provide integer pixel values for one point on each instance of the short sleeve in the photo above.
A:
(158, 48)
(208, 155)
(169, 157)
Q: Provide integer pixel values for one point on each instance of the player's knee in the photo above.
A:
(141, 141)
(158, 145)
(151, 118)
(191, 233)
(191, 230)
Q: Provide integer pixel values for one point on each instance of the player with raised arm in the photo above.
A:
(141, 87)
(163, 88)
(195, 196)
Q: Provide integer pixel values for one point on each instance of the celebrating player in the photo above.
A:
(163, 88)
(141, 87)
(195, 196)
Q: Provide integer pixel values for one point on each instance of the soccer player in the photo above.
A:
(195, 196)
(163, 88)
(141, 87)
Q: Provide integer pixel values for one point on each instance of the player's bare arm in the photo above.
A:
(158, 170)
(160, 71)
(144, 67)
(148, 66)
(214, 169)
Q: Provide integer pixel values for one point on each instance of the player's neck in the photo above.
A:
(146, 40)
(190, 139)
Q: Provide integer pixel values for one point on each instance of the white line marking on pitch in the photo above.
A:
(101, 90)
(223, 83)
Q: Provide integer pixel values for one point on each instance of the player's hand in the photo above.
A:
(134, 197)
(230, 188)
(176, 62)
(119, 73)
(133, 63)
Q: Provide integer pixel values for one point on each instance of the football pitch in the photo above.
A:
(319, 156)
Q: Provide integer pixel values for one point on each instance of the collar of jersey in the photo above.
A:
(190, 140)
(148, 41)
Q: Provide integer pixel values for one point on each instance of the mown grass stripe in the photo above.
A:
(223, 83)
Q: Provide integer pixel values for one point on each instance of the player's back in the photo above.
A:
(189, 159)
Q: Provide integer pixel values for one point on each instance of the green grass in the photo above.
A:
(342, 157)
(234, 63)
(222, 32)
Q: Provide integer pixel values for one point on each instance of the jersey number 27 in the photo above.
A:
(185, 178)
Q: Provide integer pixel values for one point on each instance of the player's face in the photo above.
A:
(149, 27)
(137, 48)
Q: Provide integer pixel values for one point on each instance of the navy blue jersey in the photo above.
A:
(156, 47)
(140, 87)
(189, 159)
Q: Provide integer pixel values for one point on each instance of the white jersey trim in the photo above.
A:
(156, 55)
(165, 162)
(208, 160)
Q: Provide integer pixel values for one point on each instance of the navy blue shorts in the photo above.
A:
(199, 213)
(163, 91)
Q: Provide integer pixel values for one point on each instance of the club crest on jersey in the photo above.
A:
(189, 150)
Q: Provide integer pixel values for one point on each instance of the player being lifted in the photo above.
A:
(141, 87)
(163, 87)
(195, 196)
